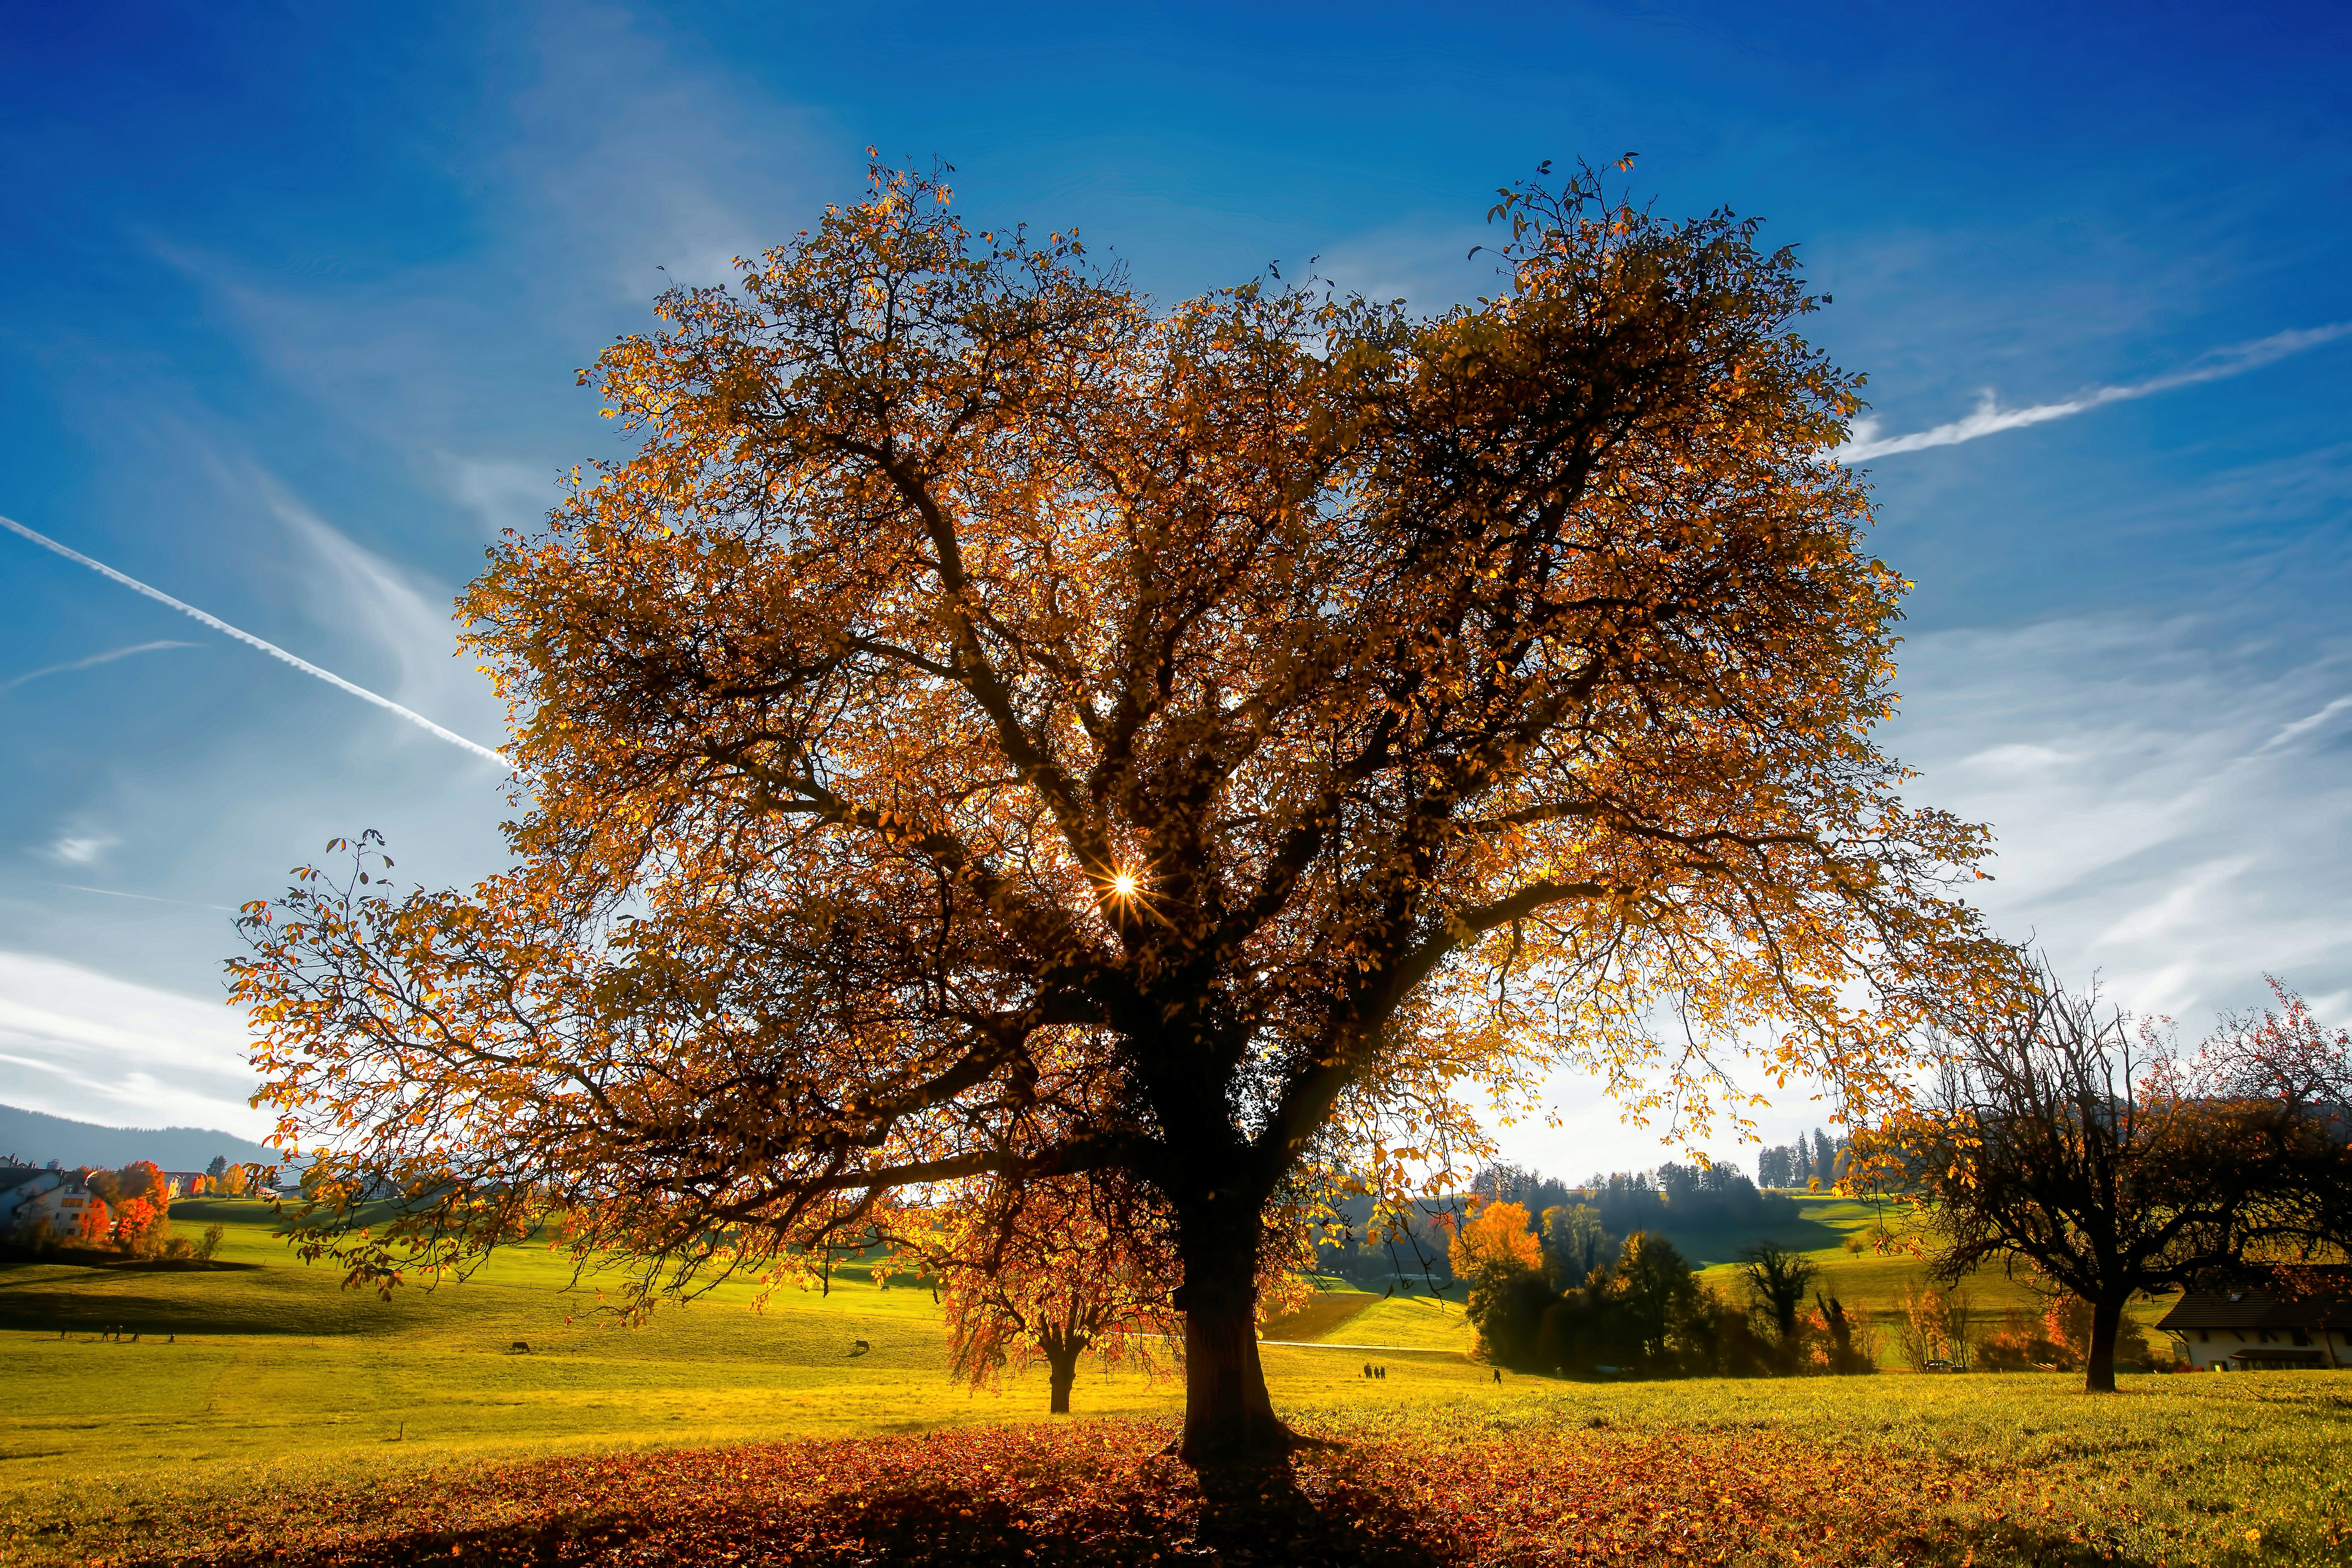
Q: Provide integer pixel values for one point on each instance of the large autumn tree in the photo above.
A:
(995, 728)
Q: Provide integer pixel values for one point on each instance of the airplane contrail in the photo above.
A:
(271, 648)
(1991, 418)
(109, 656)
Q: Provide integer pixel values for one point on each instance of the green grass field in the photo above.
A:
(1870, 1278)
(269, 1377)
(276, 1361)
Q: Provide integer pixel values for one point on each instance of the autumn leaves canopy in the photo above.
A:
(996, 736)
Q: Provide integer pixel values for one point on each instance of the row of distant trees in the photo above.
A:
(1414, 1242)
(1559, 1294)
(2062, 1139)
(1820, 1161)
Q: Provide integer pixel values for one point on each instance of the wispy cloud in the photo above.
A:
(392, 610)
(272, 649)
(107, 657)
(142, 898)
(80, 1044)
(502, 492)
(1989, 419)
(82, 850)
(2166, 810)
(2303, 726)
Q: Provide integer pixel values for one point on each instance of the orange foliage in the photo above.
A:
(142, 1225)
(990, 729)
(1057, 1271)
(1497, 1239)
(144, 1179)
(1096, 1496)
(94, 1223)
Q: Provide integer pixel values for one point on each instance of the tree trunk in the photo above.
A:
(1228, 1419)
(2099, 1367)
(1063, 1362)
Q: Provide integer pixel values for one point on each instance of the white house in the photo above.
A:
(55, 1201)
(21, 1192)
(2260, 1326)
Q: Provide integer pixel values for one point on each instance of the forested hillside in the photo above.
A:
(35, 1137)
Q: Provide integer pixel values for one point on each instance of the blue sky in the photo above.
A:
(295, 295)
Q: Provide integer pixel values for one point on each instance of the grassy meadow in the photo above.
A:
(1869, 1277)
(252, 1390)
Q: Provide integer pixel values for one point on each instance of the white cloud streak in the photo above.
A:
(2303, 726)
(79, 1044)
(272, 649)
(1989, 419)
(107, 657)
(142, 898)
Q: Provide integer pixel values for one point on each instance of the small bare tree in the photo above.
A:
(2070, 1137)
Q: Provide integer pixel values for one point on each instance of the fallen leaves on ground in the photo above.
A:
(1097, 1493)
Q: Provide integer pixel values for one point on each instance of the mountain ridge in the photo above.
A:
(36, 1138)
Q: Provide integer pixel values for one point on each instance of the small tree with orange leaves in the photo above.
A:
(1496, 1255)
(1065, 1270)
(142, 1225)
(1054, 1272)
(992, 728)
(1495, 1241)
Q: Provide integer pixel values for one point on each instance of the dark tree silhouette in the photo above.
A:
(1777, 1281)
(2071, 1138)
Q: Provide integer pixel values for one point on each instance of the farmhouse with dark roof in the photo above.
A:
(2266, 1325)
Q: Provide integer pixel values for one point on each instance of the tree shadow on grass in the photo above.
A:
(1071, 1497)
(1260, 1516)
(46, 1305)
(1252, 1519)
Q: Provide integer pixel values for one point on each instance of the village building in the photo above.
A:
(55, 1202)
(2265, 1326)
(21, 1190)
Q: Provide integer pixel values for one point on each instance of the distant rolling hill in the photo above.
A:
(37, 1138)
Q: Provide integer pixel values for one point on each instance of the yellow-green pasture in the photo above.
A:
(275, 1361)
(1872, 1278)
(268, 1378)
